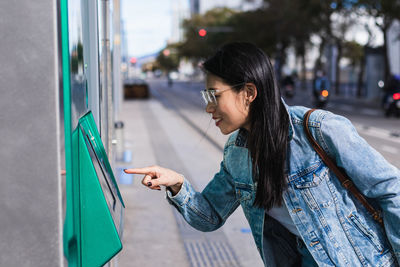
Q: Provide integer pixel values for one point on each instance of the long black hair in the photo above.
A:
(238, 63)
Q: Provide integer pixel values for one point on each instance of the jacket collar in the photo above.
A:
(291, 132)
(241, 139)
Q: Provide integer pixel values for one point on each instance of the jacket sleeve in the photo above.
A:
(208, 210)
(370, 172)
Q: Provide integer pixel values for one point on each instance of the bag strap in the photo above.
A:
(343, 177)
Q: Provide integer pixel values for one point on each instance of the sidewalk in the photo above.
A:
(151, 236)
(154, 234)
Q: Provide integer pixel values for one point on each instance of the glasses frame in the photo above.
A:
(209, 94)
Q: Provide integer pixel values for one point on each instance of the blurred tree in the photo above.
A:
(323, 11)
(280, 18)
(215, 22)
(384, 12)
(355, 53)
(168, 59)
(306, 22)
(342, 21)
(330, 21)
(275, 26)
(150, 66)
(287, 23)
(294, 22)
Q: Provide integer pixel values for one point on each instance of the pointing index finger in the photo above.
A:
(147, 170)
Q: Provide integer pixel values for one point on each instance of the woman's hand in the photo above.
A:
(156, 176)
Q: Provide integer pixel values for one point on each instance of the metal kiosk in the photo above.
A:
(94, 207)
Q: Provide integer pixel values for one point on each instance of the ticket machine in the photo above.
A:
(93, 225)
(94, 207)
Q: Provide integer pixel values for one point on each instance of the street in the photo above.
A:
(381, 133)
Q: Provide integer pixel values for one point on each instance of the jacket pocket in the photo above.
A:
(243, 191)
(366, 232)
(310, 177)
(312, 186)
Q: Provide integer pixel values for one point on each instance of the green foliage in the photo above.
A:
(279, 24)
(273, 27)
(197, 47)
(168, 59)
(354, 52)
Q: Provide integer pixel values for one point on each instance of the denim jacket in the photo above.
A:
(335, 227)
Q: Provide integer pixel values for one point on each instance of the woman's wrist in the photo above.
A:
(177, 187)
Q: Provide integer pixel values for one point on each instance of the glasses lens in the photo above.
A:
(212, 97)
(205, 96)
(209, 96)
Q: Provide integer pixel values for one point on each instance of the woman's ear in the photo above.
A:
(250, 92)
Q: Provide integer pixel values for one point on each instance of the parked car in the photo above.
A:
(136, 88)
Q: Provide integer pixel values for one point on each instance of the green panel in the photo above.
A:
(95, 200)
(99, 237)
(70, 243)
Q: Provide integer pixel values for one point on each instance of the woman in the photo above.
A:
(298, 211)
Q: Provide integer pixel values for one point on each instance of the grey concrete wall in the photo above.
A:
(30, 181)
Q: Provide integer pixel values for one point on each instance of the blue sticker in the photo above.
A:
(127, 156)
(123, 177)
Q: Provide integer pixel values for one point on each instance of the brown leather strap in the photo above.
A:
(343, 178)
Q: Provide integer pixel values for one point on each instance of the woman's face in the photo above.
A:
(231, 112)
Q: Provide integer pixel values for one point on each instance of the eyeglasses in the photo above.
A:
(209, 94)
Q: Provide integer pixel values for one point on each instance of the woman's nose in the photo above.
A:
(210, 108)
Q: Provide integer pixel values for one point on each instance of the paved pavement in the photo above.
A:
(154, 233)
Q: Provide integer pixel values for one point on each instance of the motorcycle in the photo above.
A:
(288, 86)
(322, 98)
(289, 90)
(392, 105)
(391, 97)
(321, 87)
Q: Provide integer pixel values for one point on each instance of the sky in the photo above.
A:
(148, 23)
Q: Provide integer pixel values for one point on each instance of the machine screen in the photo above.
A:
(106, 182)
